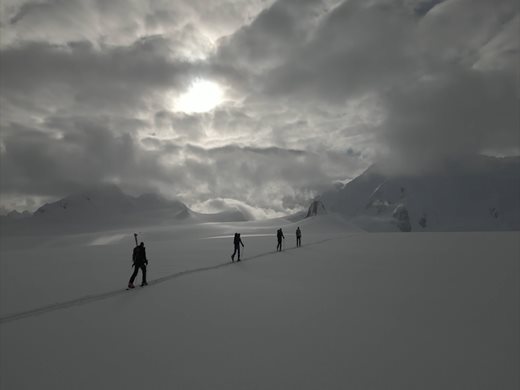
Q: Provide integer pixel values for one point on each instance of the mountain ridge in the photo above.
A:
(106, 207)
(472, 195)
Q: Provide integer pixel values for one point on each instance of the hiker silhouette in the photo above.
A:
(140, 262)
(279, 237)
(237, 241)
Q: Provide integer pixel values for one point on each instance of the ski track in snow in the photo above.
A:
(111, 294)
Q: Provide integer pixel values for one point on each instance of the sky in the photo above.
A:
(259, 104)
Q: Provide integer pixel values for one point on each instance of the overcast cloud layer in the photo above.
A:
(313, 93)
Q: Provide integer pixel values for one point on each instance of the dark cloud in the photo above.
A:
(449, 116)
(355, 49)
(88, 152)
(457, 31)
(83, 152)
(120, 22)
(181, 126)
(94, 77)
(441, 89)
(268, 178)
(308, 52)
(315, 91)
(275, 33)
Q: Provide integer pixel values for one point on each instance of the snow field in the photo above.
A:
(353, 310)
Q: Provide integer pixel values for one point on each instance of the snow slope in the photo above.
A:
(347, 310)
(483, 194)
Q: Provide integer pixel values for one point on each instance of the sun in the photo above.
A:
(202, 96)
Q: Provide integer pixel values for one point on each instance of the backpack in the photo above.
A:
(138, 255)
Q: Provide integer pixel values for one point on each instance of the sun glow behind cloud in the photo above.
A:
(202, 96)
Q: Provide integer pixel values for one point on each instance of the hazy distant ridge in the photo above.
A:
(106, 207)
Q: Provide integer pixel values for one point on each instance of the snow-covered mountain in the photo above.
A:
(477, 195)
(106, 207)
(106, 202)
(18, 215)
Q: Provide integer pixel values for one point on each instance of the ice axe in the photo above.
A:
(133, 255)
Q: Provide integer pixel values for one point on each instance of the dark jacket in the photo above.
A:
(237, 240)
(139, 255)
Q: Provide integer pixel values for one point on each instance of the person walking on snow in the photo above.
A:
(279, 236)
(237, 241)
(139, 263)
(298, 237)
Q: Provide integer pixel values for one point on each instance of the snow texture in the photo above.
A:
(347, 310)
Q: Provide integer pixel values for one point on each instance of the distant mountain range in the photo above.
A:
(106, 207)
(105, 203)
(476, 195)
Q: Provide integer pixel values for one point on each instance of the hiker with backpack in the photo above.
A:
(298, 237)
(237, 241)
(279, 237)
(140, 262)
